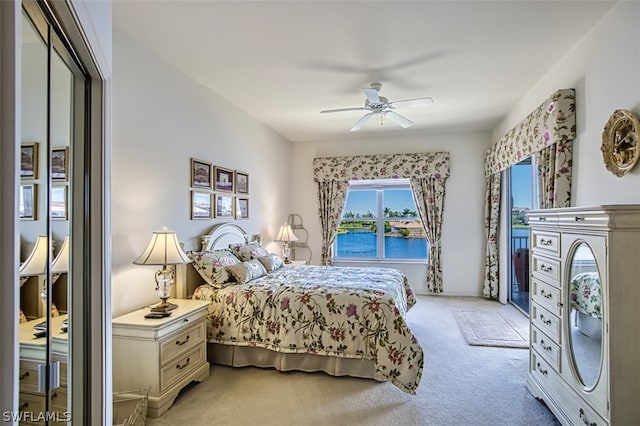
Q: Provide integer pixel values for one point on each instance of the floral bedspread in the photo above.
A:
(337, 311)
(586, 294)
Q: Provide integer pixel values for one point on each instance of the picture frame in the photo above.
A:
(60, 163)
(200, 205)
(28, 201)
(201, 174)
(242, 182)
(59, 202)
(242, 208)
(224, 179)
(223, 206)
(29, 160)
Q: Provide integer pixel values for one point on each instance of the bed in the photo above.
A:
(342, 321)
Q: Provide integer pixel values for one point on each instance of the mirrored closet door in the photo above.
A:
(52, 93)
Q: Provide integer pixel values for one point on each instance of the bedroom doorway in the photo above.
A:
(522, 186)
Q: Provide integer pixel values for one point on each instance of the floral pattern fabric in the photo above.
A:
(554, 175)
(212, 266)
(248, 251)
(344, 312)
(490, 288)
(585, 294)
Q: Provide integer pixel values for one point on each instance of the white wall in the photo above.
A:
(463, 226)
(604, 69)
(162, 118)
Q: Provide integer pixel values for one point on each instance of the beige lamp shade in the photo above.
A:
(61, 262)
(286, 234)
(36, 263)
(163, 249)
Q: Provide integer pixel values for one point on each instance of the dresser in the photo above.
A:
(162, 355)
(585, 319)
(33, 354)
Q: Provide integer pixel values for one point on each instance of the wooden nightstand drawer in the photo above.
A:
(31, 403)
(28, 376)
(181, 367)
(181, 342)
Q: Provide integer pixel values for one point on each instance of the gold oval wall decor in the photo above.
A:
(620, 142)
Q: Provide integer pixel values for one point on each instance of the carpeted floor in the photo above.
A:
(461, 385)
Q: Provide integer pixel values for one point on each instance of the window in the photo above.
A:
(380, 221)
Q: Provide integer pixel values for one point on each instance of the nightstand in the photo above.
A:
(297, 262)
(162, 355)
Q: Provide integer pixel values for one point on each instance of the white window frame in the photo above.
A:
(379, 186)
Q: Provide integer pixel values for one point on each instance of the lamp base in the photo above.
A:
(164, 307)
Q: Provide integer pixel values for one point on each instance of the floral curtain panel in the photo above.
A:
(333, 172)
(551, 128)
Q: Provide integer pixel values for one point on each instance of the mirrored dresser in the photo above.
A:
(585, 318)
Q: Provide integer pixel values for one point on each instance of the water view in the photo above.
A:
(363, 244)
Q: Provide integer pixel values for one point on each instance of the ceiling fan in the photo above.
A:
(379, 105)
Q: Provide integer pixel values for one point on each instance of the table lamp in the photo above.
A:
(286, 235)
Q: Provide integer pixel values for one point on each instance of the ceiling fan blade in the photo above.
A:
(372, 95)
(398, 119)
(343, 109)
(410, 103)
(361, 122)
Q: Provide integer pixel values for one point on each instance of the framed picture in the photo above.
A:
(242, 208)
(223, 179)
(27, 203)
(59, 202)
(200, 174)
(224, 206)
(60, 163)
(242, 182)
(200, 205)
(29, 160)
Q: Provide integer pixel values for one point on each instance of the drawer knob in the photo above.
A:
(545, 268)
(24, 375)
(180, 367)
(180, 343)
(547, 322)
(544, 242)
(24, 406)
(579, 219)
(585, 420)
(539, 368)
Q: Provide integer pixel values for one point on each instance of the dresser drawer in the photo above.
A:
(548, 242)
(547, 295)
(28, 376)
(546, 269)
(549, 349)
(31, 403)
(182, 367)
(547, 322)
(181, 341)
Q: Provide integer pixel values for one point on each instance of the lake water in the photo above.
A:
(364, 245)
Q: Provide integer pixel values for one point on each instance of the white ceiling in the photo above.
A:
(283, 62)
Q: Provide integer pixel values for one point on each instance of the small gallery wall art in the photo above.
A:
(201, 174)
(242, 182)
(59, 202)
(27, 201)
(200, 205)
(242, 208)
(60, 164)
(224, 206)
(224, 179)
(29, 160)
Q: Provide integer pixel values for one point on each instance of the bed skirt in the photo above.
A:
(243, 356)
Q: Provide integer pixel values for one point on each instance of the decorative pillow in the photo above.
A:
(252, 250)
(271, 262)
(247, 271)
(211, 266)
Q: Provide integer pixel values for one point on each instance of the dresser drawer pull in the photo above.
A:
(546, 348)
(544, 242)
(545, 268)
(539, 368)
(180, 343)
(542, 219)
(584, 419)
(546, 295)
(24, 406)
(180, 367)
(54, 396)
(579, 219)
(544, 321)
(24, 375)
(185, 320)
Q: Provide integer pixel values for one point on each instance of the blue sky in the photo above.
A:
(396, 199)
(521, 185)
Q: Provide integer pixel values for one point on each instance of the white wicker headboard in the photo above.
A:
(220, 236)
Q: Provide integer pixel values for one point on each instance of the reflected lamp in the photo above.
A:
(163, 250)
(286, 235)
(36, 262)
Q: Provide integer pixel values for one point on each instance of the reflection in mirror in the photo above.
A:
(585, 314)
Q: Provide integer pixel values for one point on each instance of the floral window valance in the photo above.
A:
(383, 166)
(553, 121)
